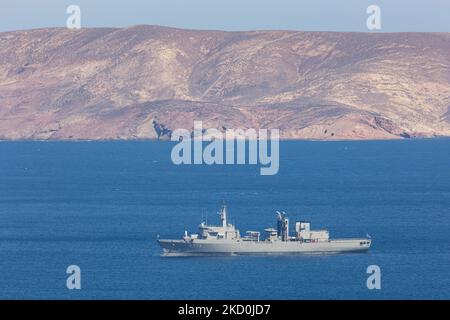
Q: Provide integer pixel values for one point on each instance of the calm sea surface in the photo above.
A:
(101, 205)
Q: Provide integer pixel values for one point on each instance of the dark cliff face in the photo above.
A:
(107, 83)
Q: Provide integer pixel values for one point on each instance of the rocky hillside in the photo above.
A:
(144, 81)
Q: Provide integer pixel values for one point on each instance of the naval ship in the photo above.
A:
(226, 239)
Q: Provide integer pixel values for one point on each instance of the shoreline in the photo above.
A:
(168, 140)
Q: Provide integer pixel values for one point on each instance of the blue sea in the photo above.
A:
(101, 206)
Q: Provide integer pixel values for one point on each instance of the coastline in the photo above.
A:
(281, 140)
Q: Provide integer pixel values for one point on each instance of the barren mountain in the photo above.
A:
(145, 81)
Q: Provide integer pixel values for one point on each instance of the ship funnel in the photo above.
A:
(282, 226)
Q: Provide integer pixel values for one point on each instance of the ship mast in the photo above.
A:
(223, 215)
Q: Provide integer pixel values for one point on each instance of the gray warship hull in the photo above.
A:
(226, 239)
(198, 246)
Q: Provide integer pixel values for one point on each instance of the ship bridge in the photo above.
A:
(226, 231)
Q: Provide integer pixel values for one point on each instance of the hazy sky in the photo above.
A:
(337, 15)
